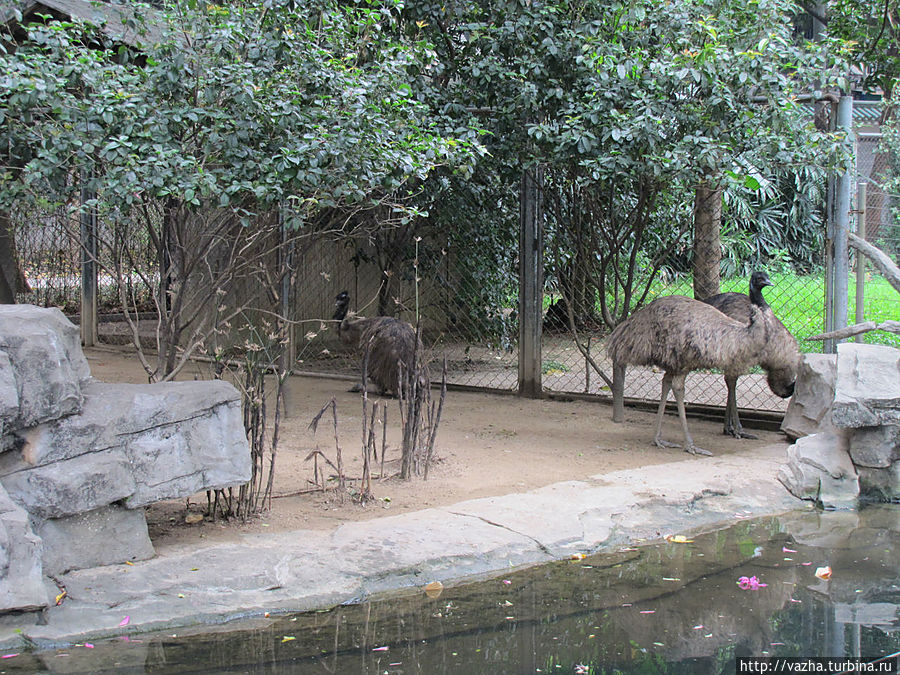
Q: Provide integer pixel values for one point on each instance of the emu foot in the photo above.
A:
(738, 432)
(660, 443)
(694, 450)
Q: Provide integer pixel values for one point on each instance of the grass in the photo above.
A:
(799, 301)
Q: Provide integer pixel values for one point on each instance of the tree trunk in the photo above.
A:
(707, 245)
(12, 280)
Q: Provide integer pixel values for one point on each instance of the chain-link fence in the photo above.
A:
(428, 284)
(464, 298)
(49, 250)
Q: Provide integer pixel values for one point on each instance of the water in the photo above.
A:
(663, 608)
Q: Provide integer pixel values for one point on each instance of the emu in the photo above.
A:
(680, 335)
(391, 342)
(780, 357)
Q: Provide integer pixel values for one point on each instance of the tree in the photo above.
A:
(231, 125)
(629, 107)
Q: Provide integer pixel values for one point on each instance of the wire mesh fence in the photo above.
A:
(429, 285)
(464, 300)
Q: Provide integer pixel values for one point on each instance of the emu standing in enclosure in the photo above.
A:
(391, 343)
(679, 335)
(780, 357)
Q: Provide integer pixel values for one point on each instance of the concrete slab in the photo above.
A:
(305, 570)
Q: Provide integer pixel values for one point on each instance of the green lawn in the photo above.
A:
(799, 301)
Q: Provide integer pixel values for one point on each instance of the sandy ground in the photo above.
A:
(487, 445)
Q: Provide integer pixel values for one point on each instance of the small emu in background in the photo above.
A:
(393, 347)
(780, 357)
(679, 335)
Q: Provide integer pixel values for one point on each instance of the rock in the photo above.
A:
(105, 536)
(875, 447)
(819, 469)
(880, 484)
(867, 386)
(810, 407)
(43, 363)
(21, 578)
(135, 443)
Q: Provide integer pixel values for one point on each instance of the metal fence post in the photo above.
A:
(860, 313)
(88, 220)
(531, 283)
(837, 291)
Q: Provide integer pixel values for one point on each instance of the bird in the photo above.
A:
(394, 350)
(680, 335)
(780, 357)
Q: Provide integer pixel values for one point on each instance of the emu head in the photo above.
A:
(341, 305)
(781, 381)
(758, 281)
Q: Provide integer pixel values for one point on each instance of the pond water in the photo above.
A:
(673, 607)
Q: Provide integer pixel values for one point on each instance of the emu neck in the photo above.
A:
(756, 296)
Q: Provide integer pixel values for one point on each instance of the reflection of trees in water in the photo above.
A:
(589, 611)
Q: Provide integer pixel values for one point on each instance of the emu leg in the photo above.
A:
(661, 413)
(618, 392)
(678, 388)
(732, 420)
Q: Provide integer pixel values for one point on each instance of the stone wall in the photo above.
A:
(79, 459)
(845, 417)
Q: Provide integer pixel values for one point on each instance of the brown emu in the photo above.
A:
(679, 335)
(391, 343)
(780, 357)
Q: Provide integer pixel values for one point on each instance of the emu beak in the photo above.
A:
(765, 281)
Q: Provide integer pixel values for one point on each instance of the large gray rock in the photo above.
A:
(43, 369)
(867, 387)
(819, 469)
(809, 410)
(137, 444)
(875, 447)
(21, 578)
(109, 535)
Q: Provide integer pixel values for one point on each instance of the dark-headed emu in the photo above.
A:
(679, 335)
(391, 343)
(780, 357)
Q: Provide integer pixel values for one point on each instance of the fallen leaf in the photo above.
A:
(128, 562)
(193, 518)
(577, 556)
(381, 649)
(823, 572)
(785, 549)
(8, 656)
(434, 589)
(648, 611)
(288, 638)
(125, 621)
(60, 598)
(678, 539)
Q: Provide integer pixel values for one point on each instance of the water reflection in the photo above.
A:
(668, 608)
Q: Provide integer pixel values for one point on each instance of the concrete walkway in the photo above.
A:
(306, 570)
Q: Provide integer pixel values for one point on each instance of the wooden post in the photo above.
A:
(531, 283)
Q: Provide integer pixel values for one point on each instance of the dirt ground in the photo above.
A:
(487, 445)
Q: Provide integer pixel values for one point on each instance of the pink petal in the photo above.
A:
(125, 621)
(785, 549)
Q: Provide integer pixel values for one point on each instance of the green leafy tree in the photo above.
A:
(629, 107)
(227, 127)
